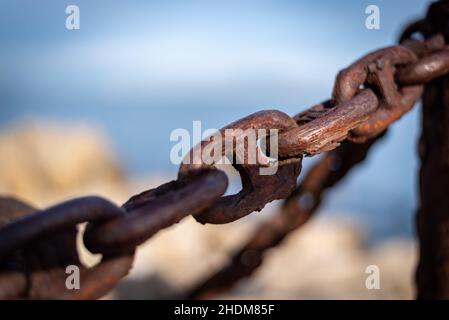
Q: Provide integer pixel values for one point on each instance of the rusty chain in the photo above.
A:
(368, 96)
(296, 210)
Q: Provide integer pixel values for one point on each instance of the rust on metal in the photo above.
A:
(257, 190)
(37, 246)
(325, 132)
(432, 274)
(428, 68)
(368, 96)
(296, 210)
(156, 209)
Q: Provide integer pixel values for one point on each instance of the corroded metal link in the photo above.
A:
(387, 113)
(156, 209)
(425, 70)
(376, 70)
(322, 127)
(13, 280)
(383, 117)
(41, 223)
(423, 48)
(257, 190)
(433, 62)
(37, 245)
(350, 79)
(262, 120)
(330, 125)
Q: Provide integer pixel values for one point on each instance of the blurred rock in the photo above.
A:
(45, 162)
(326, 259)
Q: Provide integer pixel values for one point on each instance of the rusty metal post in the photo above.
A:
(432, 274)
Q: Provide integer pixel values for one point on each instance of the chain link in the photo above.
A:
(368, 96)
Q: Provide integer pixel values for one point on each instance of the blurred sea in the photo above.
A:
(142, 69)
